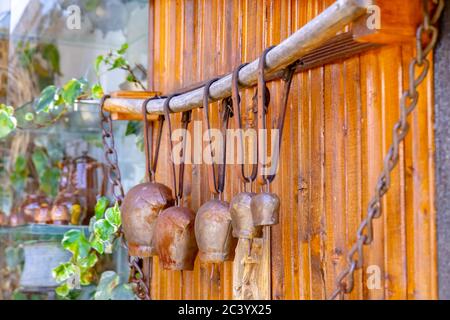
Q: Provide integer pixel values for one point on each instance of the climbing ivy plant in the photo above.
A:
(86, 253)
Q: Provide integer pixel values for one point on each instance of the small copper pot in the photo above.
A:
(42, 216)
(213, 232)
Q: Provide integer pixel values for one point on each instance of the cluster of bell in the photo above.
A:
(154, 226)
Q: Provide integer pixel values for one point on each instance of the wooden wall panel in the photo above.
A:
(338, 126)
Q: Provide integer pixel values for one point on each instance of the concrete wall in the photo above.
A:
(442, 83)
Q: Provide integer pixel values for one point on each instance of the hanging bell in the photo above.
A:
(174, 235)
(213, 228)
(213, 232)
(143, 204)
(241, 216)
(175, 239)
(265, 209)
(140, 209)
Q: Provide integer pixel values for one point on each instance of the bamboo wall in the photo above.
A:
(338, 127)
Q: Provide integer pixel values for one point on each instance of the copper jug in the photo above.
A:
(88, 184)
(213, 222)
(67, 207)
(143, 204)
(174, 235)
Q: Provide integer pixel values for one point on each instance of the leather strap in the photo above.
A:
(236, 98)
(262, 113)
(151, 152)
(216, 180)
(186, 119)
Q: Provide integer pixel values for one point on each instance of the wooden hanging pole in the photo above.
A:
(311, 36)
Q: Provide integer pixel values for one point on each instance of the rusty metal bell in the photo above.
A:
(174, 239)
(265, 209)
(140, 209)
(241, 216)
(213, 232)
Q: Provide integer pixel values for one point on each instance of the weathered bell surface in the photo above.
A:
(213, 232)
(140, 209)
(175, 239)
(265, 209)
(241, 216)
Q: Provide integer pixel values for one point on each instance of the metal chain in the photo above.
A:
(115, 178)
(427, 30)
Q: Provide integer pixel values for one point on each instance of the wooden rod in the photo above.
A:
(311, 36)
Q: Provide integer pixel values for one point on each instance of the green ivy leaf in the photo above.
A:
(49, 181)
(47, 99)
(88, 262)
(64, 272)
(100, 207)
(118, 63)
(98, 246)
(113, 216)
(72, 90)
(51, 54)
(123, 49)
(63, 290)
(40, 161)
(108, 282)
(133, 127)
(131, 78)
(97, 91)
(98, 62)
(103, 230)
(8, 123)
(21, 164)
(76, 242)
(29, 116)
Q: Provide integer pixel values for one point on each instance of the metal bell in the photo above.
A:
(265, 209)
(241, 216)
(140, 209)
(174, 239)
(213, 232)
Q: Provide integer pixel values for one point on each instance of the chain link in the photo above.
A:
(115, 178)
(408, 103)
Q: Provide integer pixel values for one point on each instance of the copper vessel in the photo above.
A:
(32, 206)
(42, 216)
(67, 207)
(86, 180)
(143, 204)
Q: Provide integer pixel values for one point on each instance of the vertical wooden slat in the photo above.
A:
(337, 130)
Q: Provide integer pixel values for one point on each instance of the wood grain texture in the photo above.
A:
(338, 126)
